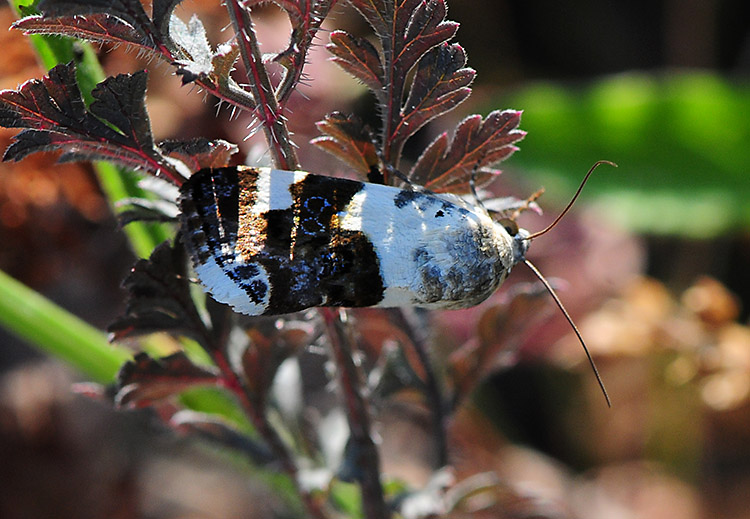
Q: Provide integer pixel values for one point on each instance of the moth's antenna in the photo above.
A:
(572, 200)
(572, 325)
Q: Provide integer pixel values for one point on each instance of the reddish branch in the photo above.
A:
(358, 414)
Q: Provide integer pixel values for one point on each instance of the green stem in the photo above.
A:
(34, 318)
(115, 182)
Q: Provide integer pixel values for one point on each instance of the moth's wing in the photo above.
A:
(209, 203)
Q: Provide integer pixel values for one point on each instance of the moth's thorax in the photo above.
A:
(270, 242)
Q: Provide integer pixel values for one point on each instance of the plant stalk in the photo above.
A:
(408, 321)
(358, 415)
(267, 106)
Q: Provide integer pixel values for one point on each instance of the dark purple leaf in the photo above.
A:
(359, 58)
(54, 113)
(120, 100)
(408, 31)
(131, 13)
(447, 165)
(161, 12)
(349, 139)
(125, 21)
(199, 153)
(145, 380)
(98, 27)
(418, 29)
(159, 299)
(50, 103)
(441, 83)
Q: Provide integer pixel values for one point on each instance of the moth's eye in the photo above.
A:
(510, 226)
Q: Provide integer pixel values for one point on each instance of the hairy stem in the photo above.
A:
(267, 106)
(358, 414)
(293, 59)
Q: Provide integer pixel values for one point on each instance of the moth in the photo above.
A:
(272, 242)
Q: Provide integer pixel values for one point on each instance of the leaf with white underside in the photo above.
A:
(192, 40)
(126, 22)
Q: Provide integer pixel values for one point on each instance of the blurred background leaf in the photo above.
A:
(681, 141)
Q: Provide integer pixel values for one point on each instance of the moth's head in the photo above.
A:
(520, 239)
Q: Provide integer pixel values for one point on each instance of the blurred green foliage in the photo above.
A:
(682, 142)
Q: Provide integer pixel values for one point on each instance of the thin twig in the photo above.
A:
(358, 414)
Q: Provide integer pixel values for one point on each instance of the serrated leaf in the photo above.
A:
(349, 139)
(98, 27)
(45, 104)
(425, 27)
(408, 31)
(159, 299)
(145, 380)
(359, 58)
(54, 113)
(192, 39)
(378, 13)
(120, 100)
(199, 153)
(440, 84)
(199, 62)
(131, 12)
(447, 165)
